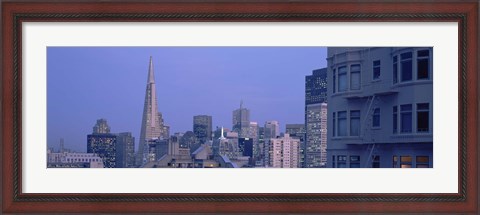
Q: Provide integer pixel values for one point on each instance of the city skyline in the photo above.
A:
(109, 82)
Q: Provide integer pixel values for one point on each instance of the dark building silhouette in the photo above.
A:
(202, 127)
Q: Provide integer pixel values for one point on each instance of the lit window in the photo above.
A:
(395, 69)
(405, 162)
(422, 162)
(406, 66)
(355, 77)
(422, 117)
(406, 118)
(423, 64)
(376, 69)
(355, 123)
(342, 123)
(342, 79)
(376, 117)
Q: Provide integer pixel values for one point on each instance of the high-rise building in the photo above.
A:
(297, 131)
(202, 127)
(102, 143)
(241, 121)
(284, 152)
(164, 129)
(316, 136)
(380, 109)
(125, 150)
(272, 130)
(315, 100)
(151, 127)
(316, 87)
(253, 135)
(101, 127)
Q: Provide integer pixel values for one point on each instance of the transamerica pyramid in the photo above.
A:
(151, 128)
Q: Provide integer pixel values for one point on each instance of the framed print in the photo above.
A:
(336, 107)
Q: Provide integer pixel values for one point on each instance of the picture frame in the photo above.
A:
(14, 13)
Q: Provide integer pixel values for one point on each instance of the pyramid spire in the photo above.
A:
(150, 128)
(151, 75)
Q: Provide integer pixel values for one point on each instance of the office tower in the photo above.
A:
(298, 131)
(125, 150)
(241, 121)
(150, 128)
(164, 129)
(315, 96)
(260, 161)
(253, 135)
(316, 136)
(246, 146)
(101, 127)
(284, 152)
(380, 108)
(202, 127)
(102, 143)
(272, 130)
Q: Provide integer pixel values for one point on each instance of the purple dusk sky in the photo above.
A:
(88, 83)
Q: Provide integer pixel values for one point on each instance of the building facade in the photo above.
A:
(284, 152)
(316, 136)
(73, 160)
(380, 107)
(241, 121)
(103, 144)
(151, 127)
(298, 131)
(125, 150)
(271, 130)
(202, 127)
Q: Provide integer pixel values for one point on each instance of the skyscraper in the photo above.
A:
(316, 136)
(202, 127)
(315, 105)
(284, 152)
(241, 121)
(102, 143)
(125, 150)
(150, 128)
(272, 130)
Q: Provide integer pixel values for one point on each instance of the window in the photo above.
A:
(342, 161)
(423, 64)
(375, 161)
(342, 79)
(333, 161)
(355, 123)
(376, 69)
(395, 120)
(406, 66)
(355, 161)
(422, 117)
(342, 123)
(405, 162)
(355, 77)
(395, 69)
(376, 117)
(333, 130)
(334, 82)
(422, 162)
(406, 118)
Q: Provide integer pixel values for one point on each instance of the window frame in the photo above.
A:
(374, 70)
(376, 118)
(359, 71)
(405, 112)
(352, 117)
(405, 60)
